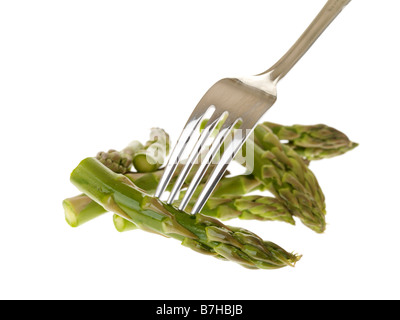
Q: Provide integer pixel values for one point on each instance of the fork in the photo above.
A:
(237, 103)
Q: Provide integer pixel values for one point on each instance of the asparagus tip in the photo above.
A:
(296, 258)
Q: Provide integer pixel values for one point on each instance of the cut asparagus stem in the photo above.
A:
(81, 209)
(152, 156)
(118, 194)
(122, 224)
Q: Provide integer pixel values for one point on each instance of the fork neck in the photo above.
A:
(328, 13)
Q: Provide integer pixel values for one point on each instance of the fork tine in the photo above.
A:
(216, 145)
(176, 154)
(239, 138)
(209, 128)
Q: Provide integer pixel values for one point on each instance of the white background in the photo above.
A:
(77, 77)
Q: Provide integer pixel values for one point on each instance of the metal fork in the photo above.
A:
(235, 101)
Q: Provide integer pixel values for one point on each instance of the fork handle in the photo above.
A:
(328, 13)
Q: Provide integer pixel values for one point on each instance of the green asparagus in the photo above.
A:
(122, 224)
(301, 197)
(116, 193)
(228, 201)
(314, 142)
(284, 174)
(255, 207)
(281, 155)
(81, 209)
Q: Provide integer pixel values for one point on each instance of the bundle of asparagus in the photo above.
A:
(281, 167)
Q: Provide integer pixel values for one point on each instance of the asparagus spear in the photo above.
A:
(284, 174)
(228, 201)
(248, 208)
(313, 142)
(152, 156)
(116, 193)
(81, 209)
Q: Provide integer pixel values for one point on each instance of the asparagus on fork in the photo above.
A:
(81, 209)
(280, 167)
